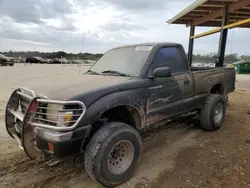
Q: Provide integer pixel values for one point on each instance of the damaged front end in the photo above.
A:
(39, 125)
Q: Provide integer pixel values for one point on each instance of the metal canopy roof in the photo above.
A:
(210, 13)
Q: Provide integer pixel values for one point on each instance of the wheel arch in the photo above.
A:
(125, 102)
(218, 89)
(125, 113)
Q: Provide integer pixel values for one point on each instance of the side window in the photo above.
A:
(170, 57)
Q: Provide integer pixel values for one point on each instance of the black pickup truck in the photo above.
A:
(127, 90)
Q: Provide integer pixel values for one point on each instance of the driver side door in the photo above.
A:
(169, 96)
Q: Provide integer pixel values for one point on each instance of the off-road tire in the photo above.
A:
(208, 112)
(11, 64)
(226, 98)
(97, 154)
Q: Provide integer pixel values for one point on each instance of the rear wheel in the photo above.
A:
(11, 64)
(213, 113)
(226, 98)
(113, 154)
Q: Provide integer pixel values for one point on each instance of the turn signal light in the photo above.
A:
(51, 147)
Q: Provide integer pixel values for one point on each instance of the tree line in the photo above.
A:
(211, 57)
(52, 55)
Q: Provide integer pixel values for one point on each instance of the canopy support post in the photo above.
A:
(191, 45)
(223, 38)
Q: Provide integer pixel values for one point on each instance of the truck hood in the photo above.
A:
(77, 85)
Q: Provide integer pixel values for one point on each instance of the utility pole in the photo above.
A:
(83, 38)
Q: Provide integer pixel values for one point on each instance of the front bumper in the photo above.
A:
(61, 144)
(35, 135)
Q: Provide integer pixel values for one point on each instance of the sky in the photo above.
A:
(95, 26)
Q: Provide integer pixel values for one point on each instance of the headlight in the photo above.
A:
(57, 113)
(64, 118)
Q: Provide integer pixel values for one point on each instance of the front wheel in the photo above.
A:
(113, 154)
(213, 113)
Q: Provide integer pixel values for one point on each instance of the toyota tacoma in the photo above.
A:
(101, 116)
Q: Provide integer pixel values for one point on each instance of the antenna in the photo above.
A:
(83, 38)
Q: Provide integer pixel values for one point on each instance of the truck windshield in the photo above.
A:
(124, 61)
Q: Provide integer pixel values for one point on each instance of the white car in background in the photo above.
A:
(4, 60)
(197, 65)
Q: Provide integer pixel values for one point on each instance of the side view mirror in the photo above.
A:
(161, 72)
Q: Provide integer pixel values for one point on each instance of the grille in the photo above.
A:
(49, 113)
(50, 116)
(46, 113)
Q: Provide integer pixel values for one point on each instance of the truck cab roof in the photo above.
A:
(152, 44)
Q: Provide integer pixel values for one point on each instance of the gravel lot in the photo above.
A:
(177, 155)
(243, 82)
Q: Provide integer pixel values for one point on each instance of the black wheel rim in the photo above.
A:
(120, 157)
(218, 113)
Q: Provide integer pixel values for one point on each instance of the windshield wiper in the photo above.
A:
(93, 72)
(115, 72)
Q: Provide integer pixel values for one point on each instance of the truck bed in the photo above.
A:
(207, 77)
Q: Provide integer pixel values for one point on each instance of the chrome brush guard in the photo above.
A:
(20, 121)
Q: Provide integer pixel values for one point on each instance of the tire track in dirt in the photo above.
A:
(16, 170)
(160, 149)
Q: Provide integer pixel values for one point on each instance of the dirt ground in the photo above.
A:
(242, 82)
(175, 155)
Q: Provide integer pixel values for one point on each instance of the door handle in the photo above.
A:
(186, 82)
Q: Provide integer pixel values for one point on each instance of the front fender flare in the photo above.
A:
(124, 98)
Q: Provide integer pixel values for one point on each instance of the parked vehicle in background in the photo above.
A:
(4, 60)
(127, 90)
(198, 65)
(90, 61)
(60, 61)
(211, 64)
(34, 60)
(46, 61)
(49, 61)
(16, 60)
(56, 61)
